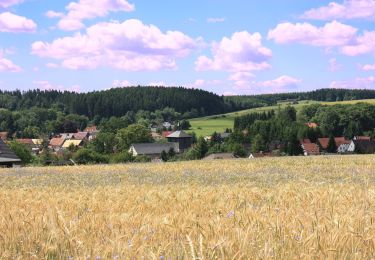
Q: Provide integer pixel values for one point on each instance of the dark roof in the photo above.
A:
(218, 156)
(179, 134)
(364, 146)
(153, 148)
(6, 154)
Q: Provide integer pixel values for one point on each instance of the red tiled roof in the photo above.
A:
(80, 135)
(56, 142)
(311, 149)
(338, 140)
(3, 135)
(25, 141)
(363, 138)
(305, 141)
(166, 133)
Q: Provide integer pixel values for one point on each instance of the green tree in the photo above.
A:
(132, 134)
(201, 147)
(22, 151)
(258, 144)
(331, 145)
(87, 156)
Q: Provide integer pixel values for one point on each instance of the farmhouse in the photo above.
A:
(325, 141)
(219, 156)
(72, 143)
(56, 143)
(310, 148)
(7, 157)
(182, 139)
(152, 150)
(364, 146)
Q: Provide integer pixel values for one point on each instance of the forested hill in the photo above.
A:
(327, 95)
(117, 101)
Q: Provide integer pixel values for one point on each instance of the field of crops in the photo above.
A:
(282, 208)
(207, 125)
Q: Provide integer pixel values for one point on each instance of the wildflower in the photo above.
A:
(230, 214)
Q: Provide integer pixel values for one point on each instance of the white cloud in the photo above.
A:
(46, 85)
(7, 65)
(16, 24)
(330, 35)
(368, 67)
(130, 46)
(349, 9)
(89, 9)
(53, 14)
(334, 65)
(7, 3)
(357, 83)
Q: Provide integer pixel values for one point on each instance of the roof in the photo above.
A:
(80, 135)
(166, 133)
(305, 141)
(312, 125)
(3, 135)
(57, 142)
(179, 134)
(68, 143)
(338, 140)
(365, 146)
(91, 129)
(67, 135)
(25, 141)
(6, 154)
(152, 148)
(220, 156)
(37, 141)
(311, 149)
(362, 138)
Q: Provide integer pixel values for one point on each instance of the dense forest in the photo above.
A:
(117, 101)
(328, 95)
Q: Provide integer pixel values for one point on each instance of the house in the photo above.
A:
(91, 129)
(367, 138)
(156, 136)
(310, 149)
(164, 134)
(312, 125)
(35, 148)
(4, 136)
(67, 136)
(343, 145)
(8, 158)
(70, 143)
(325, 141)
(56, 143)
(363, 146)
(152, 150)
(183, 140)
(220, 156)
(83, 136)
(168, 125)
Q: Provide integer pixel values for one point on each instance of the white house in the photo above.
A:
(351, 147)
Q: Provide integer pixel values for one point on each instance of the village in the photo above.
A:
(165, 141)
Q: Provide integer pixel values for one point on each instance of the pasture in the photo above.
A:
(281, 208)
(208, 125)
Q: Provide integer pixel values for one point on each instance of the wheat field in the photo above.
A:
(276, 208)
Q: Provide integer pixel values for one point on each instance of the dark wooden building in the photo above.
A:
(8, 158)
(181, 138)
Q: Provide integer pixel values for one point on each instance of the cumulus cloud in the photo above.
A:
(130, 46)
(349, 9)
(53, 14)
(330, 35)
(88, 9)
(46, 85)
(357, 83)
(280, 83)
(216, 20)
(7, 65)
(7, 3)
(368, 67)
(240, 54)
(363, 44)
(16, 24)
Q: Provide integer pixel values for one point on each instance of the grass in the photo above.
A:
(205, 126)
(281, 208)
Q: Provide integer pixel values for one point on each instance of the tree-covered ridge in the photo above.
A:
(327, 95)
(117, 101)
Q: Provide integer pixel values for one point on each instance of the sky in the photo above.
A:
(226, 47)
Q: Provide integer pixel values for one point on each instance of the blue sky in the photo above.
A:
(227, 47)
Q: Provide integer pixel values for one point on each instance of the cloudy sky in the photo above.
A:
(228, 47)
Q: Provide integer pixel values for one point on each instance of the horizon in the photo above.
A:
(236, 48)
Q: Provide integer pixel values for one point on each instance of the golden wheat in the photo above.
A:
(282, 208)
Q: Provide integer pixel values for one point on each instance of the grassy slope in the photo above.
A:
(207, 125)
(274, 208)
